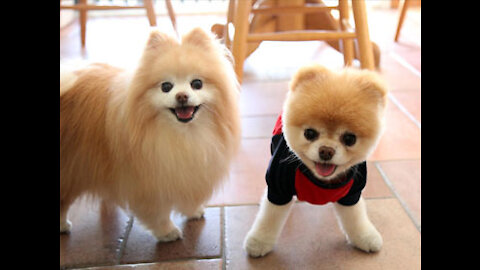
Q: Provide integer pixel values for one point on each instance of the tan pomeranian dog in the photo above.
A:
(157, 139)
(331, 122)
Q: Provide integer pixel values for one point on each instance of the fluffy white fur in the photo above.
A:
(120, 141)
(332, 103)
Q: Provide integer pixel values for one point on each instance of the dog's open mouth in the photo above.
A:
(325, 169)
(185, 113)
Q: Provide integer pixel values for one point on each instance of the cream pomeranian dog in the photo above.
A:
(331, 122)
(158, 139)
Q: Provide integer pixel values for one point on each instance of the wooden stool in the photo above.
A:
(83, 7)
(401, 18)
(240, 10)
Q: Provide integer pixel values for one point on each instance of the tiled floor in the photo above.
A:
(105, 237)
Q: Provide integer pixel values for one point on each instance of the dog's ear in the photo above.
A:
(308, 73)
(198, 37)
(158, 40)
(373, 85)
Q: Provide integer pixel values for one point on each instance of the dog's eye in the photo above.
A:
(167, 86)
(310, 134)
(348, 139)
(196, 84)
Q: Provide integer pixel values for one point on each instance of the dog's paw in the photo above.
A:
(257, 248)
(370, 241)
(65, 227)
(173, 235)
(197, 215)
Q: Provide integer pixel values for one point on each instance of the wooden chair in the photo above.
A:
(82, 6)
(401, 18)
(240, 10)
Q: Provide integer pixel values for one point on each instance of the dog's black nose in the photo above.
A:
(326, 153)
(181, 97)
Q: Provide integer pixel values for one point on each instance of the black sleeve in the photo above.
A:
(359, 182)
(280, 174)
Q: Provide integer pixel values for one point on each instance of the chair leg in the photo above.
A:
(239, 46)
(230, 14)
(83, 23)
(347, 44)
(361, 29)
(150, 12)
(172, 16)
(400, 20)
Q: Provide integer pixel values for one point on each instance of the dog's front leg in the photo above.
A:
(266, 228)
(358, 227)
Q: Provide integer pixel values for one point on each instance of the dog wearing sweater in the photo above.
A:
(330, 123)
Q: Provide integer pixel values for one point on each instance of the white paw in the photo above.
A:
(173, 235)
(65, 226)
(370, 241)
(256, 247)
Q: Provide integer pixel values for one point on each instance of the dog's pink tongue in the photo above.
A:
(325, 169)
(184, 112)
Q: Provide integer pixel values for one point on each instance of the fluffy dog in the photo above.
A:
(157, 139)
(331, 122)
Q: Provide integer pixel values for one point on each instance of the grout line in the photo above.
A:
(405, 64)
(404, 110)
(397, 196)
(123, 244)
(146, 263)
(223, 241)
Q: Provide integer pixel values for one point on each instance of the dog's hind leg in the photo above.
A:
(358, 227)
(156, 218)
(191, 211)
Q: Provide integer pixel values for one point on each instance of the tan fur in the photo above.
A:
(331, 103)
(349, 100)
(116, 145)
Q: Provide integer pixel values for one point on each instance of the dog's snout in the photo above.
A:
(326, 153)
(181, 97)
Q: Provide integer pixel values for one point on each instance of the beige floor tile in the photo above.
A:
(262, 98)
(253, 155)
(184, 265)
(96, 236)
(401, 138)
(247, 176)
(376, 187)
(201, 239)
(405, 177)
(256, 127)
(411, 101)
(312, 239)
(397, 77)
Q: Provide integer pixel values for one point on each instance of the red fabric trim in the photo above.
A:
(278, 126)
(309, 192)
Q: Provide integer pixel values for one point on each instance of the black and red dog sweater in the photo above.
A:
(287, 176)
